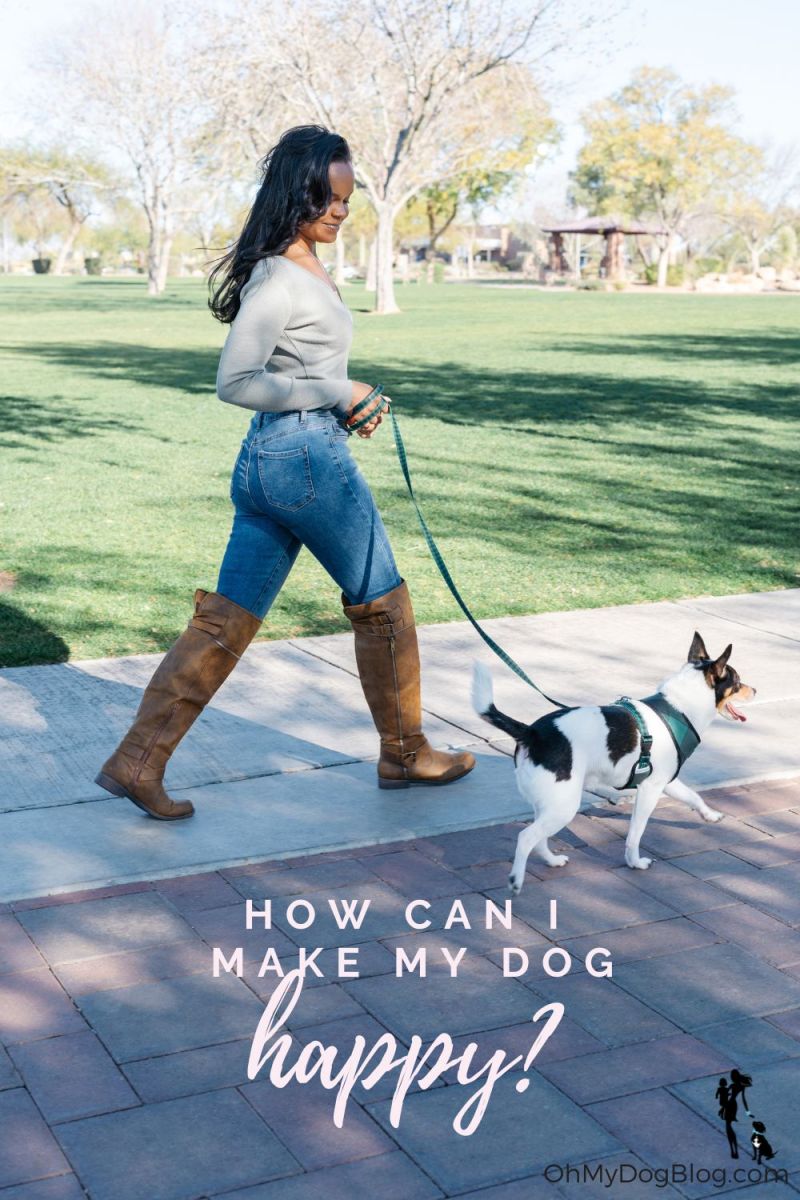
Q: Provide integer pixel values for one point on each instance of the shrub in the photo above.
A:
(675, 274)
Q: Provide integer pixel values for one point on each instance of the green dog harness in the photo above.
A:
(684, 736)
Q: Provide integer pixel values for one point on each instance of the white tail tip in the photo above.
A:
(482, 690)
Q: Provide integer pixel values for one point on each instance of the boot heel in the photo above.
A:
(393, 783)
(110, 785)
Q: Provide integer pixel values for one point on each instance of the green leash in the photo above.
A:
(437, 558)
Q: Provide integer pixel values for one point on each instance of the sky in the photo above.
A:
(753, 45)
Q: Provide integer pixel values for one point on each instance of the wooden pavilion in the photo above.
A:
(612, 229)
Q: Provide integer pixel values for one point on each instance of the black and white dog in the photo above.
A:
(600, 745)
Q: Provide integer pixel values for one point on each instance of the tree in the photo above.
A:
(759, 204)
(419, 88)
(74, 183)
(480, 183)
(130, 84)
(660, 149)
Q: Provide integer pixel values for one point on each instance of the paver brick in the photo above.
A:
(17, 951)
(175, 1014)
(175, 1149)
(28, 1149)
(389, 1176)
(413, 874)
(515, 1138)
(134, 966)
(709, 985)
(57, 1187)
(70, 932)
(72, 1076)
(301, 1114)
(34, 1005)
(188, 1072)
(591, 902)
(478, 998)
(605, 1010)
(669, 883)
(767, 938)
(628, 1069)
(752, 1040)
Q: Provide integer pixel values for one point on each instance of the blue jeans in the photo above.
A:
(295, 483)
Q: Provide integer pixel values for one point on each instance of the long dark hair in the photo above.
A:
(294, 188)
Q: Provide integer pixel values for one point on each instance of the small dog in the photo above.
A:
(562, 752)
(759, 1142)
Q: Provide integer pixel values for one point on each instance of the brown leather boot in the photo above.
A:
(185, 680)
(388, 665)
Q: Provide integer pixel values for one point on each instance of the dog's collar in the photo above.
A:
(684, 736)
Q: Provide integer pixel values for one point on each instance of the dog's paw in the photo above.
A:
(514, 886)
(711, 814)
(637, 863)
(558, 860)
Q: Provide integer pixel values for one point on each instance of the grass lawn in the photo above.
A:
(569, 450)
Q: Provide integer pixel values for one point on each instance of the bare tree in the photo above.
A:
(405, 81)
(129, 87)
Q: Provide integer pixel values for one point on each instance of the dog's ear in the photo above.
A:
(719, 666)
(697, 650)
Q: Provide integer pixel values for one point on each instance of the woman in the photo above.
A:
(294, 483)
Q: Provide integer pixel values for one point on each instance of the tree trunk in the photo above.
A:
(340, 260)
(755, 258)
(362, 251)
(6, 247)
(663, 265)
(163, 262)
(372, 265)
(471, 253)
(386, 302)
(66, 246)
(153, 259)
(430, 252)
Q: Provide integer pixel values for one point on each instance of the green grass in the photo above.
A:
(569, 450)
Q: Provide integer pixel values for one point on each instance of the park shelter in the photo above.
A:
(612, 229)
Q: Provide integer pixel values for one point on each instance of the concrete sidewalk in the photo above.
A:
(280, 764)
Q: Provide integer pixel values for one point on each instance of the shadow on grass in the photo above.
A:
(517, 398)
(192, 371)
(133, 607)
(778, 348)
(25, 420)
(19, 629)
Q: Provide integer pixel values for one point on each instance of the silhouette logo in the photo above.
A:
(729, 1093)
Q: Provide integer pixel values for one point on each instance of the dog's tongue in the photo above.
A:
(735, 713)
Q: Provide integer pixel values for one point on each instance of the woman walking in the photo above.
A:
(294, 483)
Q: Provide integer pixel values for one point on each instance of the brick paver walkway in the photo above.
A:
(123, 1067)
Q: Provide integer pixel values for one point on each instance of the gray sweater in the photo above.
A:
(287, 346)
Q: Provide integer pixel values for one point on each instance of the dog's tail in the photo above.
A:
(483, 702)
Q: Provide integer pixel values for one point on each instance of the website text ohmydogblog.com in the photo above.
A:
(660, 1177)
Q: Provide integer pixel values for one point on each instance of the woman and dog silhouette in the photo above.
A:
(728, 1096)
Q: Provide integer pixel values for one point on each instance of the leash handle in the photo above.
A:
(440, 563)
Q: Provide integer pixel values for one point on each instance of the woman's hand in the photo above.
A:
(381, 405)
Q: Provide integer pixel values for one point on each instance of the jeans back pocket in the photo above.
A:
(285, 477)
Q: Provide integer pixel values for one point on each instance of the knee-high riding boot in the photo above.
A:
(185, 680)
(388, 666)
